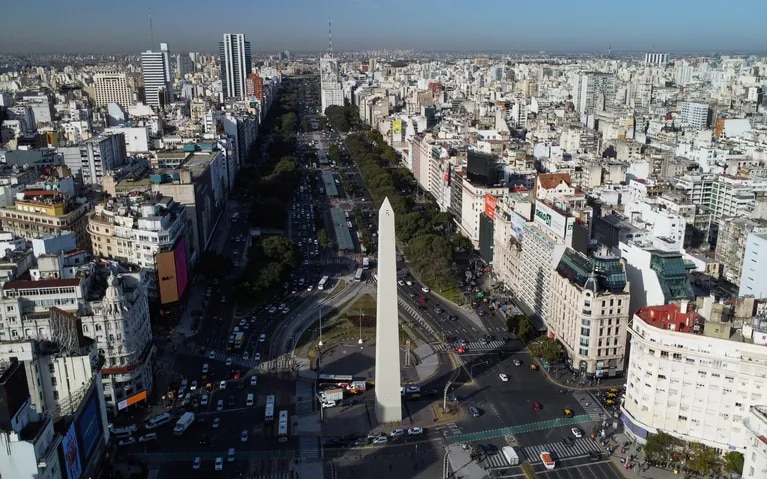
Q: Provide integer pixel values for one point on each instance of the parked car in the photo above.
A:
(197, 463)
(216, 422)
(244, 435)
(219, 464)
(152, 436)
(397, 433)
(503, 377)
(415, 431)
(127, 441)
(474, 411)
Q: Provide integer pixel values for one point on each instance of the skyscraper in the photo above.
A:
(331, 91)
(155, 66)
(595, 91)
(234, 56)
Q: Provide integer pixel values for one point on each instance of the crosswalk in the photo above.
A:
(497, 460)
(237, 360)
(309, 447)
(581, 447)
(448, 430)
(274, 475)
(590, 405)
(473, 346)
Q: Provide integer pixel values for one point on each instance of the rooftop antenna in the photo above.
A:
(330, 38)
(609, 50)
(151, 30)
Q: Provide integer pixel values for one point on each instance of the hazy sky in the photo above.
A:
(94, 26)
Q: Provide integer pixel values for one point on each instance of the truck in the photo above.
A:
(511, 455)
(238, 338)
(547, 460)
(365, 263)
(333, 395)
(183, 423)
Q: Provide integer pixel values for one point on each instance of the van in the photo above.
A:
(158, 421)
(249, 401)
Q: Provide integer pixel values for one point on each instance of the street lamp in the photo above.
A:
(360, 340)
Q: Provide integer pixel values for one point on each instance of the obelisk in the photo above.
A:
(387, 386)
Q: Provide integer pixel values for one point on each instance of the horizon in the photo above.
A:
(589, 26)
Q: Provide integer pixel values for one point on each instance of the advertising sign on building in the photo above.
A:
(552, 220)
(517, 226)
(396, 128)
(490, 203)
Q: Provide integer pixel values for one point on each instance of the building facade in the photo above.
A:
(752, 276)
(755, 463)
(46, 214)
(155, 67)
(235, 60)
(112, 87)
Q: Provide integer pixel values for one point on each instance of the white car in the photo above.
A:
(193, 387)
(242, 322)
(152, 436)
(400, 282)
(253, 380)
(286, 311)
(219, 464)
(310, 289)
(245, 356)
(517, 362)
(222, 385)
(425, 289)
(272, 310)
(216, 422)
(397, 433)
(127, 441)
(244, 436)
(211, 354)
(412, 389)
(229, 361)
(262, 338)
(415, 431)
(503, 377)
(257, 357)
(230, 455)
(381, 440)
(220, 405)
(205, 368)
(576, 432)
(408, 282)
(204, 400)
(197, 463)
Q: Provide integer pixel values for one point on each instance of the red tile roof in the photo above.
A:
(43, 283)
(548, 181)
(669, 316)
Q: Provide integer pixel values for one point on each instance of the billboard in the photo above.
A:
(517, 226)
(89, 427)
(552, 220)
(131, 400)
(172, 273)
(396, 127)
(490, 203)
(70, 454)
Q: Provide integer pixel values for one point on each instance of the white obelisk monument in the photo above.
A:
(387, 387)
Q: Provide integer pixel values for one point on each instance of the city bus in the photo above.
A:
(358, 274)
(323, 282)
(269, 412)
(282, 427)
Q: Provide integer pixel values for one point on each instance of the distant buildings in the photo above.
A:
(656, 58)
(235, 63)
(155, 67)
(113, 87)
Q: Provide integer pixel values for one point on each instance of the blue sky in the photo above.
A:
(301, 25)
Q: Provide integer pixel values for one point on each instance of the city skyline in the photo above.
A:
(445, 25)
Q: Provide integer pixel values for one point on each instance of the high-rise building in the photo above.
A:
(694, 115)
(155, 66)
(184, 65)
(234, 56)
(112, 87)
(331, 91)
(655, 58)
(254, 86)
(595, 92)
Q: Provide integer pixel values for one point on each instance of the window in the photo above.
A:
(52, 368)
(53, 381)
(55, 395)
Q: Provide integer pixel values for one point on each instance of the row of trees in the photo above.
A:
(697, 458)
(420, 226)
(521, 326)
(343, 118)
(270, 262)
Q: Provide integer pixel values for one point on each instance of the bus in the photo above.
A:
(282, 427)
(358, 274)
(323, 282)
(269, 413)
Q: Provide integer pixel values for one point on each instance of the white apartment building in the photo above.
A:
(732, 196)
(112, 87)
(594, 92)
(512, 211)
(98, 156)
(697, 189)
(659, 222)
(331, 90)
(755, 458)
(691, 378)
(753, 278)
(137, 138)
(694, 115)
(155, 67)
(235, 60)
(589, 312)
(731, 247)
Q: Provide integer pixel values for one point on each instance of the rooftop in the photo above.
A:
(548, 181)
(671, 317)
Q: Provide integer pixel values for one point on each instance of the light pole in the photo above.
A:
(360, 340)
(446, 465)
(319, 345)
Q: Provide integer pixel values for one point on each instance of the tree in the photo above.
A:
(525, 330)
(702, 459)
(409, 225)
(334, 153)
(289, 122)
(322, 238)
(733, 462)
(658, 446)
(551, 350)
(337, 118)
(461, 243)
(512, 323)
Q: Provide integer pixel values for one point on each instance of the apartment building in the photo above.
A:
(589, 312)
(731, 245)
(696, 188)
(512, 211)
(41, 213)
(594, 92)
(695, 115)
(755, 459)
(732, 196)
(752, 277)
(113, 87)
(691, 377)
(134, 229)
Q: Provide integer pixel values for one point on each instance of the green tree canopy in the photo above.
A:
(334, 153)
(733, 462)
(659, 446)
(703, 459)
(322, 238)
(289, 122)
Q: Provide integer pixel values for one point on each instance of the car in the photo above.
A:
(223, 299)
(126, 441)
(219, 464)
(272, 310)
(517, 362)
(491, 449)
(253, 380)
(245, 355)
(286, 311)
(400, 282)
(197, 463)
(205, 368)
(474, 411)
(408, 282)
(193, 387)
(412, 389)
(381, 440)
(425, 289)
(262, 337)
(594, 455)
(503, 377)
(244, 435)
(220, 405)
(204, 400)
(203, 440)
(222, 385)
(397, 433)
(533, 367)
(230, 456)
(568, 441)
(216, 422)
(243, 321)
(576, 432)
(568, 412)
(415, 431)
(211, 354)
(537, 406)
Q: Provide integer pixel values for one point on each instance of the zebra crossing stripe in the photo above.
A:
(580, 447)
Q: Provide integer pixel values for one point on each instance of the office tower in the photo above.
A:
(655, 58)
(331, 92)
(388, 399)
(595, 91)
(155, 66)
(112, 87)
(234, 56)
(184, 65)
